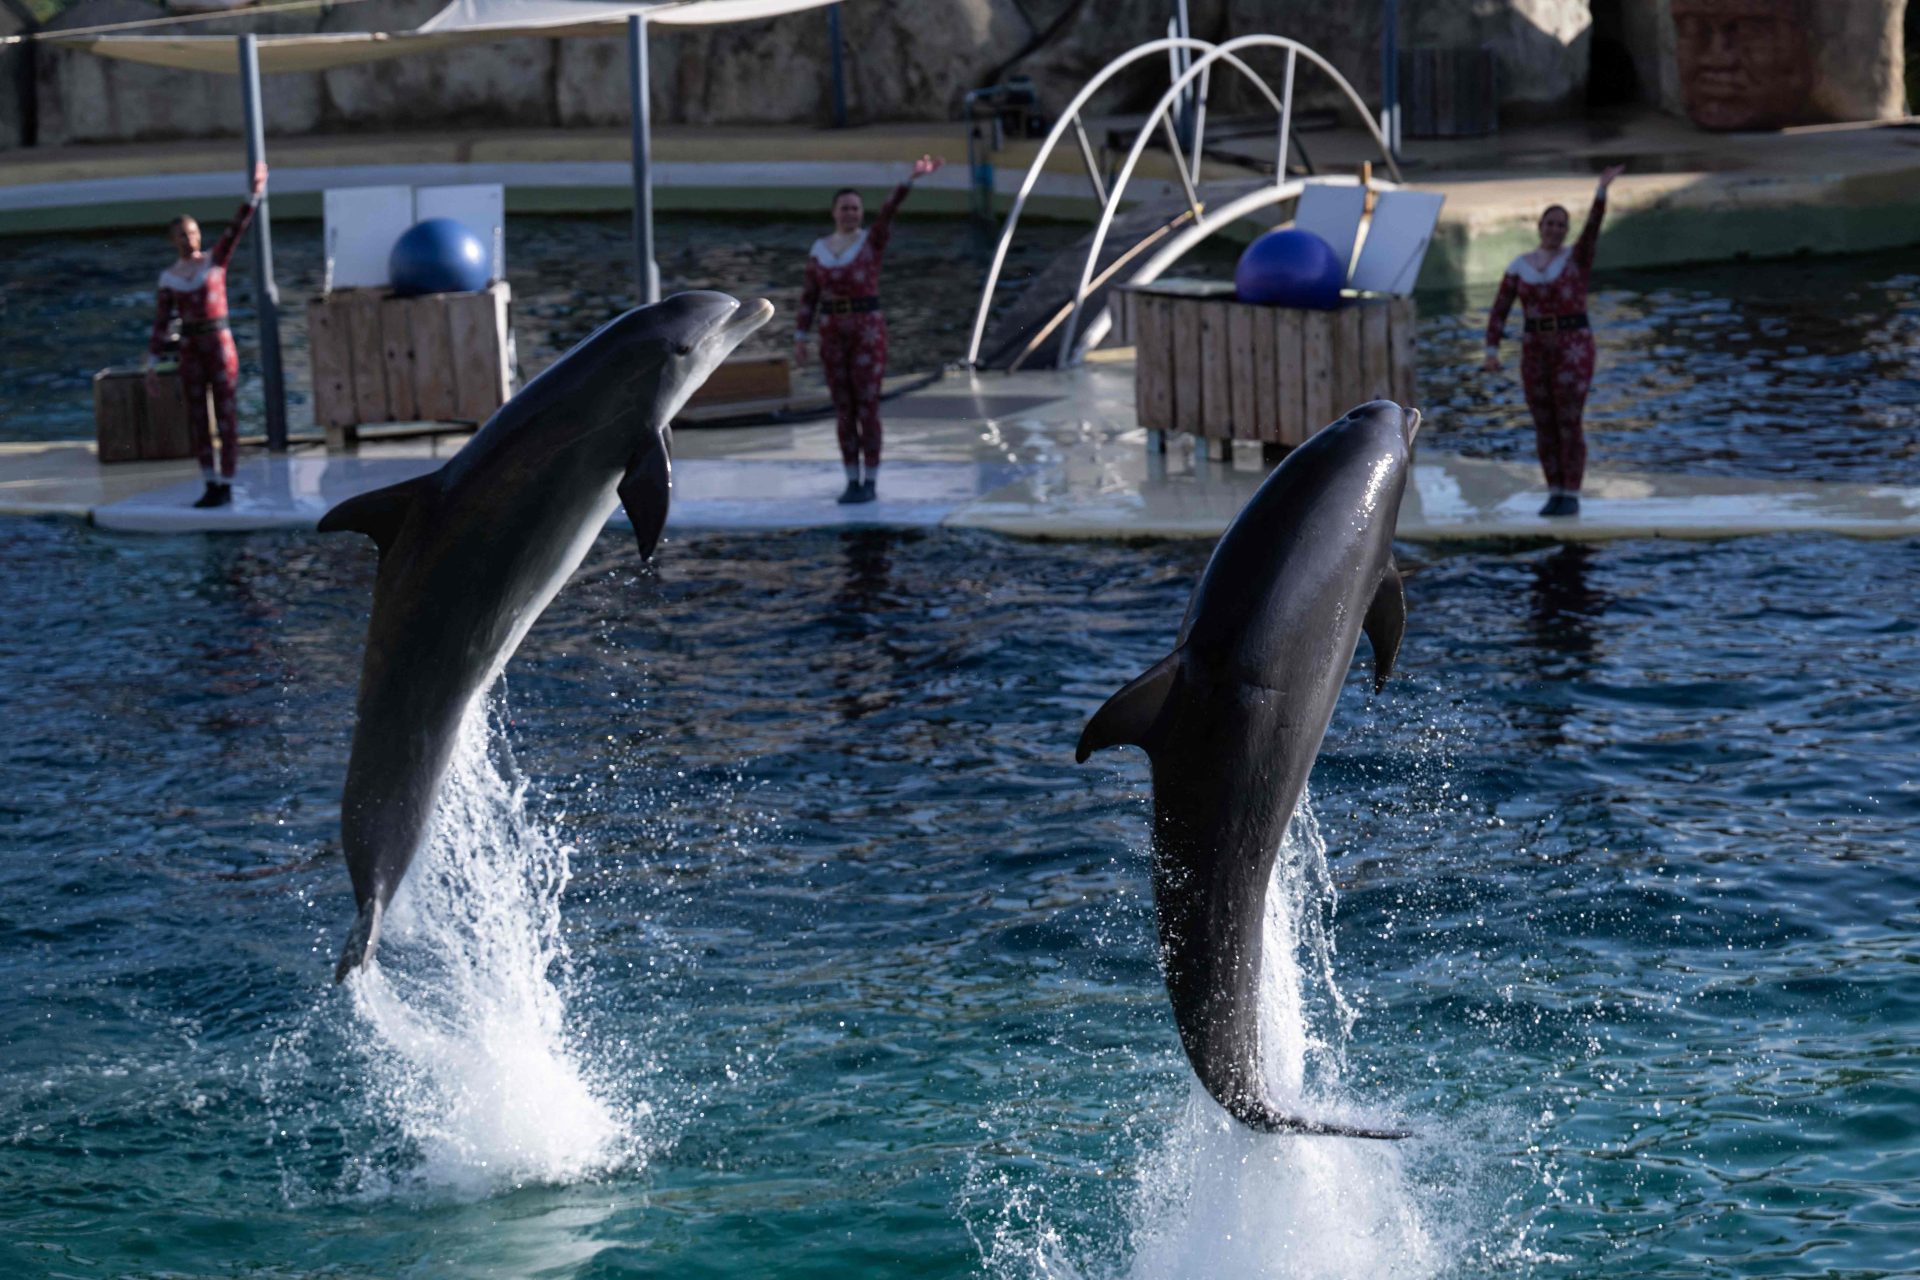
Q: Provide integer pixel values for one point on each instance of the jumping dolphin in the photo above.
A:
(472, 553)
(1232, 720)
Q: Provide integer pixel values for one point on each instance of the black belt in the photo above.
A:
(1552, 324)
(849, 306)
(195, 328)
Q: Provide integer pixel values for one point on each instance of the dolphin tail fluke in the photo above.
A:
(361, 940)
(1259, 1117)
(1386, 624)
(1128, 717)
(646, 491)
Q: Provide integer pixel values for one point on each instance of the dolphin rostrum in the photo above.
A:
(472, 553)
(1232, 719)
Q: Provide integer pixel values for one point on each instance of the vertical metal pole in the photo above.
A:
(1183, 27)
(646, 275)
(1390, 75)
(266, 294)
(839, 67)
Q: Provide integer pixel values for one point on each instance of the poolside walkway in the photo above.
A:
(1043, 454)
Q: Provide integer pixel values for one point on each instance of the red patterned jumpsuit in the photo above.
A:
(208, 359)
(1556, 356)
(843, 290)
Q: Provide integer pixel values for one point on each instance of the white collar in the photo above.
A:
(1533, 275)
(828, 258)
(172, 279)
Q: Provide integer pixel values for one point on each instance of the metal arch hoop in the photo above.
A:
(1070, 119)
(1220, 52)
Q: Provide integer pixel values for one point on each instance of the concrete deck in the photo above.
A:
(1056, 455)
(1688, 196)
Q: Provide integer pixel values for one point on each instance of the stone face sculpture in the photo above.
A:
(1744, 64)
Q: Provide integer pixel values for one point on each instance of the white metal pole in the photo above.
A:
(646, 274)
(266, 294)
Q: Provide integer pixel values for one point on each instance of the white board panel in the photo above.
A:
(1397, 240)
(481, 206)
(361, 224)
(1333, 214)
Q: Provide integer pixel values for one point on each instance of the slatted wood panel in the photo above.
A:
(1290, 376)
(332, 359)
(476, 391)
(1244, 416)
(1223, 370)
(1216, 367)
(1153, 363)
(1264, 322)
(1401, 319)
(396, 350)
(1349, 380)
(437, 358)
(434, 397)
(1316, 373)
(1185, 322)
(368, 356)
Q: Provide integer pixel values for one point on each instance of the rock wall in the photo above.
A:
(900, 64)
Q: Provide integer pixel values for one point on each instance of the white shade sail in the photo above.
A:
(462, 22)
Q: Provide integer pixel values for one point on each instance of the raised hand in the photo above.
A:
(259, 178)
(1608, 174)
(924, 166)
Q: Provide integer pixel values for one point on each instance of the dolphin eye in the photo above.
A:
(685, 349)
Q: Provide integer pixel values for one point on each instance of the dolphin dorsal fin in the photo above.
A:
(1128, 717)
(646, 491)
(380, 513)
(1386, 623)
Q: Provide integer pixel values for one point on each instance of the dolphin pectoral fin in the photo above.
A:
(380, 513)
(646, 492)
(1386, 623)
(361, 940)
(1128, 717)
(1258, 1116)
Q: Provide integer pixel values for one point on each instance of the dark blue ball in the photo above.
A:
(440, 255)
(1290, 268)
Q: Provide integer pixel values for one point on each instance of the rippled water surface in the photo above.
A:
(771, 930)
(1807, 369)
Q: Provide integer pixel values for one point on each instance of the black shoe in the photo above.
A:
(867, 493)
(1561, 504)
(852, 493)
(1573, 504)
(217, 495)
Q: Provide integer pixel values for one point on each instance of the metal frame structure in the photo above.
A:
(1188, 83)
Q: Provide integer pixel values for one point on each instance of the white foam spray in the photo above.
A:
(1215, 1199)
(463, 1016)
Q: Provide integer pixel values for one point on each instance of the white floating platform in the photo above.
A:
(1052, 455)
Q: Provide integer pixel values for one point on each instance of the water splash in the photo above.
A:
(470, 1052)
(1213, 1198)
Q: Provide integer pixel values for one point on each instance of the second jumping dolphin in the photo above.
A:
(471, 554)
(1232, 720)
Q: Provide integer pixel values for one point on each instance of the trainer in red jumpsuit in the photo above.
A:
(843, 292)
(1556, 356)
(195, 290)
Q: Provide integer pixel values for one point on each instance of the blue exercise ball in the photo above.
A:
(439, 255)
(1290, 268)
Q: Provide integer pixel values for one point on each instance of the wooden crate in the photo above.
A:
(1210, 366)
(746, 378)
(131, 426)
(440, 357)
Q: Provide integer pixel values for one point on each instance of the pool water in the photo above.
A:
(770, 928)
(1807, 369)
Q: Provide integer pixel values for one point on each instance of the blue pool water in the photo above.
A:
(1808, 369)
(771, 930)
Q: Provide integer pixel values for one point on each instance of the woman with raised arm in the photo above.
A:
(1556, 356)
(194, 288)
(843, 293)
